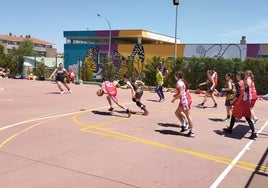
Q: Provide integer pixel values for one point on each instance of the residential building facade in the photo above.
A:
(41, 47)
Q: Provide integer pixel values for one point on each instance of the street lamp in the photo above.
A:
(35, 63)
(109, 33)
(176, 3)
(79, 68)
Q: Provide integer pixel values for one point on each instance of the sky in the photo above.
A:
(198, 21)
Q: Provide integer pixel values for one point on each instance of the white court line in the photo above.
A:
(235, 160)
(7, 100)
(37, 119)
(47, 117)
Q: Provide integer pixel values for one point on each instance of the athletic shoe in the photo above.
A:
(128, 112)
(186, 125)
(161, 100)
(183, 129)
(201, 105)
(70, 91)
(146, 112)
(253, 136)
(254, 120)
(143, 107)
(226, 119)
(111, 109)
(215, 105)
(62, 92)
(190, 134)
(228, 130)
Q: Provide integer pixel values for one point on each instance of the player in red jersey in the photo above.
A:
(241, 105)
(253, 93)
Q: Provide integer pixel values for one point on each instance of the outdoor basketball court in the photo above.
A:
(70, 140)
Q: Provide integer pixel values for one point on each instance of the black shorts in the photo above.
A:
(61, 78)
(229, 99)
(139, 94)
(210, 91)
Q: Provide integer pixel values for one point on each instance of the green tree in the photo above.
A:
(86, 71)
(2, 56)
(11, 63)
(19, 64)
(14, 59)
(40, 69)
(109, 71)
(26, 48)
(150, 71)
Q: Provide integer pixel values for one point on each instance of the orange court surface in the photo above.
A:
(52, 140)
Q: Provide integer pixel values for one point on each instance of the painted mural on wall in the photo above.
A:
(138, 49)
(123, 64)
(91, 57)
(226, 50)
(216, 50)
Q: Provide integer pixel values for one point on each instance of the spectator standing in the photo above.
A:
(164, 72)
(159, 84)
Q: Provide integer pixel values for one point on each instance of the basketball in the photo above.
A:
(100, 92)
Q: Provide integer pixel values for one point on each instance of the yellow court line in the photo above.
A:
(107, 133)
(89, 126)
(37, 124)
(24, 130)
(110, 133)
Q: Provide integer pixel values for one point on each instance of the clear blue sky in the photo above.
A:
(199, 21)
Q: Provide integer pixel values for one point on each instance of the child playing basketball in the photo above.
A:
(136, 92)
(61, 77)
(184, 107)
(110, 89)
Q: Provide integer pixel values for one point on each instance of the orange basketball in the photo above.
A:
(100, 92)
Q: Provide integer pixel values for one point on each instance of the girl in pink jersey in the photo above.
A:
(110, 89)
(253, 93)
(183, 110)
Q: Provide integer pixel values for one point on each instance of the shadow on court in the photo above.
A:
(53, 93)
(260, 174)
(170, 132)
(222, 120)
(114, 113)
(239, 132)
(168, 125)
